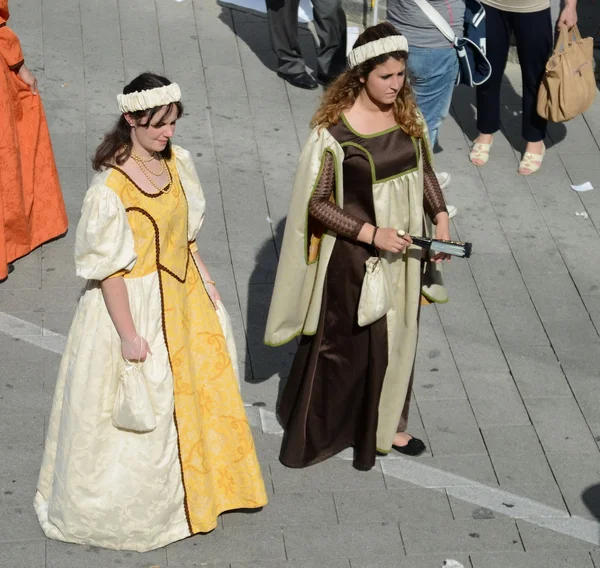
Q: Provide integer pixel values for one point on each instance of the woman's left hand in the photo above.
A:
(28, 78)
(568, 17)
(213, 293)
(441, 232)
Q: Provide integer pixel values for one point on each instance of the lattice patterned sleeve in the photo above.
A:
(326, 211)
(433, 198)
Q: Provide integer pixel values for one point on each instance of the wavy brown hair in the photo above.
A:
(116, 145)
(343, 92)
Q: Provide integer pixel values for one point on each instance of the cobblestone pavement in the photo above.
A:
(506, 393)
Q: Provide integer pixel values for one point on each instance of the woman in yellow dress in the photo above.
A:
(149, 298)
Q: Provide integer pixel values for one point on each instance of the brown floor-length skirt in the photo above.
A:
(331, 398)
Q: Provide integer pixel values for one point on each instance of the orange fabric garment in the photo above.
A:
(32, 210)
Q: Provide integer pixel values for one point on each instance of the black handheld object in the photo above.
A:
(455, 248)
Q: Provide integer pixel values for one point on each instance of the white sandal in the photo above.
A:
(531, 162)
(480, 152)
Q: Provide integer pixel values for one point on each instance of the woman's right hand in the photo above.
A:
(388, 240)
(136, 349)
(568, 17)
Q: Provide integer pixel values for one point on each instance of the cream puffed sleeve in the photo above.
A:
(193, 191)
(104, 242)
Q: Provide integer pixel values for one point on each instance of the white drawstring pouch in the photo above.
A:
(375, 294)
(133, 407)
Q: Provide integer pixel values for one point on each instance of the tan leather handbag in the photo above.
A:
(569, 86)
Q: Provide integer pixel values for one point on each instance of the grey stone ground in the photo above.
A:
(507, 390)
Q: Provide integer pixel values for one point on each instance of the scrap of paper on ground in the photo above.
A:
(587, 186)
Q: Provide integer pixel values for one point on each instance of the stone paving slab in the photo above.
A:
(506, 389)
(331, 563)
(244, 543)
(289, 509)
(460, 536)
(421, 561)
(391, 506)
(537, 538)
(65, 555)
(466, 471)
(578, 484)
(532, 560)
(30, 554)
(333, 541)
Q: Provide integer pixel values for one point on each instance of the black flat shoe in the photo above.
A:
(414, 447)
(300, 80)
(9, 269)
(326, 80)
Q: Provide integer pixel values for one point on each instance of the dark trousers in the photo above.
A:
(533, 32)
(330, 23)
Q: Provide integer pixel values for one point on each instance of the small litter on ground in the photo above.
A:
(587, 186)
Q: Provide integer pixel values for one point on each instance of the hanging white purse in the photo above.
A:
(133, 408)
(375, 294)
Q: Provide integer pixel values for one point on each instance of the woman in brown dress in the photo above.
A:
(365, 173)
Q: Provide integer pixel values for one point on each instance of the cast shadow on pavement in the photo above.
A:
(591, 499)
(252, 29)
(265, 362)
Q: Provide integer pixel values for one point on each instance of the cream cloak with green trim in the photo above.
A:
(296, 302)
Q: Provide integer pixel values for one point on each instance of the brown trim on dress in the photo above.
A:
(151, 195)
(16, 66)
(2, 24)
(160, 269)
(180, 280)
(159, 264)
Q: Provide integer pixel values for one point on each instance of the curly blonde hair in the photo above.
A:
(343, 92)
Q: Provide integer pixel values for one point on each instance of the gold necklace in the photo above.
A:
(142, 164)
(138, 157)
(164, 189)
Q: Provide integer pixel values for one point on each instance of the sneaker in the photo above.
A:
(443, 179)
(451, 210)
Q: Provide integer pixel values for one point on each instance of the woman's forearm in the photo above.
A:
(116, 299)
(442, 219)
(202, 267)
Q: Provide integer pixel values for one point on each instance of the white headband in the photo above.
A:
(376, 48)
(144, 100)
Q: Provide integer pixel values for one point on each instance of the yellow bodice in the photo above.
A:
(159, 223)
